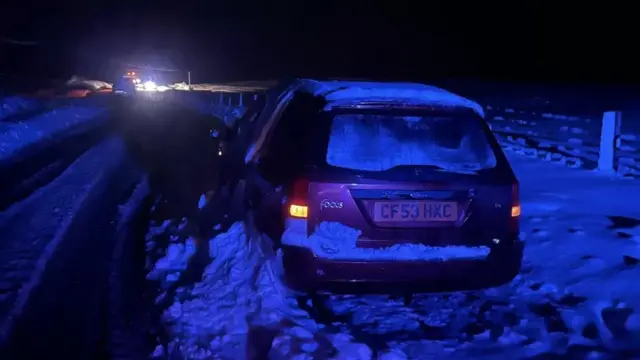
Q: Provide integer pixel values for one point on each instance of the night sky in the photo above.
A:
(417, 40)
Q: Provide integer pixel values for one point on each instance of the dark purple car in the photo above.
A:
(381, 187)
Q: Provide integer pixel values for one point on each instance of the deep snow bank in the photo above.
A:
(241, 309)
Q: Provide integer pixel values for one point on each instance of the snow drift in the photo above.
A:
(241, 309)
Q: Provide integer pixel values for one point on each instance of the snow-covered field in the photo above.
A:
(573, 138)
(15, 136)
(575, 297)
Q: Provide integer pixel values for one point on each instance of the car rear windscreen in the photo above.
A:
(379, 142)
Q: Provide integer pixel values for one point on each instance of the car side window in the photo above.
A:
(265, 126)
(287, 150)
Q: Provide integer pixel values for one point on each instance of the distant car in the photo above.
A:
(125, 85)
(371, 186)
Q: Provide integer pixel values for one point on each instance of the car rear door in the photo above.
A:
(414, 203)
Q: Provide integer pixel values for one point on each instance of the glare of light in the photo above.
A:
(150, 86)
(162, 88)
(220, 152)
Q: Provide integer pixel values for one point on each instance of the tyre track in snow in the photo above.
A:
(54, 250)
(129, 325)
(38, 164)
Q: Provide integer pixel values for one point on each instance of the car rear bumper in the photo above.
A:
(305, 271)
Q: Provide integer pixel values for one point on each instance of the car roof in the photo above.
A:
(341, 92)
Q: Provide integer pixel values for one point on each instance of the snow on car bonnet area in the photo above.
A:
(342, 92)
(333, 240)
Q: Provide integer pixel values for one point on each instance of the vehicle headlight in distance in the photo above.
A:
(150, 86)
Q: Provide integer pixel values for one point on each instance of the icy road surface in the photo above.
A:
(576, 297)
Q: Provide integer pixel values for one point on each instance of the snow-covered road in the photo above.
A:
(575, 296)
(53, 250)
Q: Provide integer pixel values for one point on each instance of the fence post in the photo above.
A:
(240, 101)
(229, 99)
(610, 130)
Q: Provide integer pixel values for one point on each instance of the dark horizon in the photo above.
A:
(408, 43)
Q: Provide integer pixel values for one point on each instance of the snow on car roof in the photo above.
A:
(337, 91)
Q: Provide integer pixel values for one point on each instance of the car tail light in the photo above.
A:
(298, 199)
(515, 202)
(514, 221)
